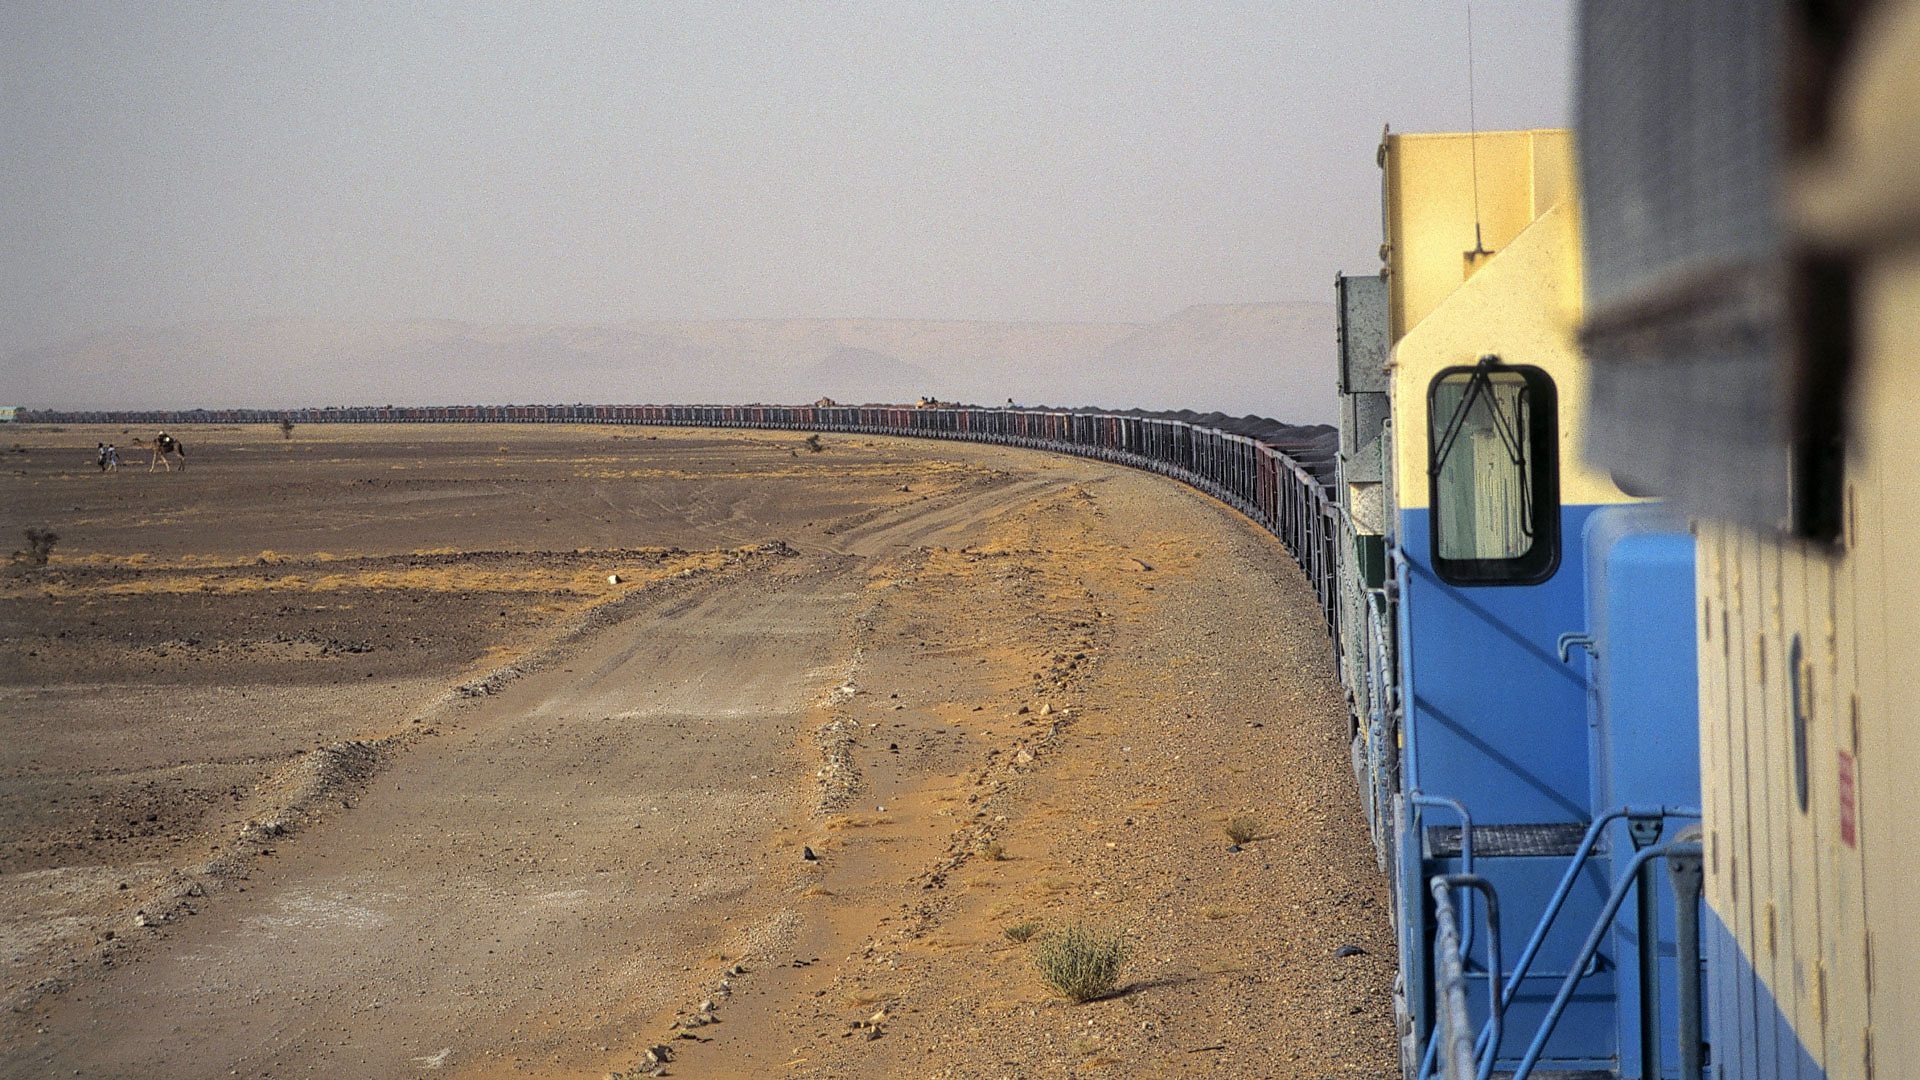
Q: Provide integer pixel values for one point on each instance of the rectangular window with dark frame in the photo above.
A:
(1494, 474)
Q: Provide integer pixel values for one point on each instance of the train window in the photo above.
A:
(1494, 474)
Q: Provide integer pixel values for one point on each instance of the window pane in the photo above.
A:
(1483, 480)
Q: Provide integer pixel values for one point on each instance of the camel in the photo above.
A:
(164, 446)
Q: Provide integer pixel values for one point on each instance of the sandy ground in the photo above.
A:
(343, 756)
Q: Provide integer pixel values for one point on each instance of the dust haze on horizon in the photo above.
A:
(189, 190)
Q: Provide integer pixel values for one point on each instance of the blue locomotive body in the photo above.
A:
(1523, 711)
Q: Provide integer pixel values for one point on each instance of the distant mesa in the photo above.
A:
(1271, 359)
(856, 374)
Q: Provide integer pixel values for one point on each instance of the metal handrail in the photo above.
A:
(1423, 800)
(1450, 989)
(1551, 912)
(1441, 886)
(1629, 877)
(1420, 799)
(1549, 915)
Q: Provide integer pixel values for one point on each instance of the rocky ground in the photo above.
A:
(563, 751)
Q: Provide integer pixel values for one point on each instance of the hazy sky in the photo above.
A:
(167, 162)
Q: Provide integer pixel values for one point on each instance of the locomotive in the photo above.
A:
(1629, 442)
(1751, 197)
(1518, 626)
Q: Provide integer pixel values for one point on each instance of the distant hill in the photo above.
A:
(1274, 359)
(850, 373)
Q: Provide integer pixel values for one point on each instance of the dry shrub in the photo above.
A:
(1019, 933)
(39, 547)
(1245, 830)
(1081, 962)
(991, 851)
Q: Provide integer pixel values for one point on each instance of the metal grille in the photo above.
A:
(1443, 841)
(1679, 118)
(1678, 138)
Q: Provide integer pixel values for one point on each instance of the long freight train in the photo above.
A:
(1631, 764)
(1281, 477)
(1445, 531)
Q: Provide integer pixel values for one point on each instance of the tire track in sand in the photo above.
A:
(526, 889)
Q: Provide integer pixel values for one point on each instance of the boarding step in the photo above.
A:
(1493, 841)
(1560, 1074)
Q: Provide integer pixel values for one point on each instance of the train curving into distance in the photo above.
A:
(1616, 547)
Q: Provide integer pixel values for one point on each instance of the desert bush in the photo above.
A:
(814, 445)
(992, 851)
(1019, 933)
(286, 429)
(1244, 829)
(1081, 962)
(39, 547)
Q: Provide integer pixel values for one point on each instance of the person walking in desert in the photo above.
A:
(164, 446)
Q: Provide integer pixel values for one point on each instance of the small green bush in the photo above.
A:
(1081, 962)
(1020, 932)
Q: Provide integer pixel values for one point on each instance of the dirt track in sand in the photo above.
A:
(536, 876)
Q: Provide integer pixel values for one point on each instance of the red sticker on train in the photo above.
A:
(1847, 814)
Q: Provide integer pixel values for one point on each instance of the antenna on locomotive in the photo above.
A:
(1471, 260)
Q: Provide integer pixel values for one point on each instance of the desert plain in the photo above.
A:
(386, 751)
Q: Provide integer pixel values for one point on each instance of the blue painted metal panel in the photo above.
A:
(1646, 709)
(1411, 923)
(1497, 719)
(1645, 719)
